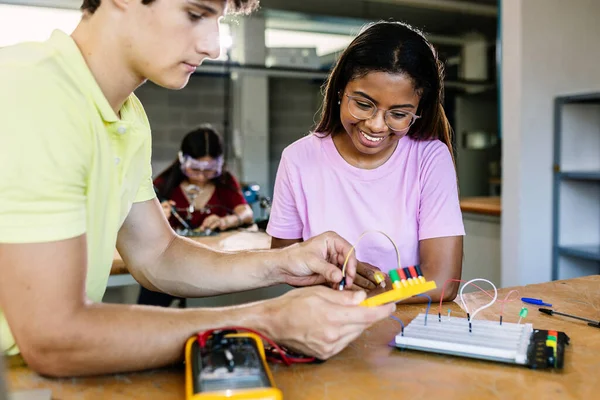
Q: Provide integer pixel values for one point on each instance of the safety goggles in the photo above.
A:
(193, 168)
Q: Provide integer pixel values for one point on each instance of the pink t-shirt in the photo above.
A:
(413, 196)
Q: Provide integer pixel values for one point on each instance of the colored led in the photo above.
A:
(413, 271)
(400, 271)
(396, 284)
(418, 273)
(402, 274)
(523, 312)
(379, 278)
(407, 273)
(418, 268)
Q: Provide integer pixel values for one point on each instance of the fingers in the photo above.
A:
(329, 319)
(329, 271)
(341, 297)
(361, 316)
(338, 250)
(351, 264)
(367, 270)
(363, 283)
(344, 324)
(210, 222)
(365, 275)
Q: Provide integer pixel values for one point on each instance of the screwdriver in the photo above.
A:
(591, 322)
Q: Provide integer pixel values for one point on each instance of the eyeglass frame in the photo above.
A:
(376, 111)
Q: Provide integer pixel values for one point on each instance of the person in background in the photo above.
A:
(198, 178)
(379, 159)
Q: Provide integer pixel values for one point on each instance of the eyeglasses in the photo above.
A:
(397, 120)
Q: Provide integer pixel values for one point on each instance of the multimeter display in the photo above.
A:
(232, 365)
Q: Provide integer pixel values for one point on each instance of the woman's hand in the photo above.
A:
(167, 206)
(214, 222)
(222, 223)
(365, 278)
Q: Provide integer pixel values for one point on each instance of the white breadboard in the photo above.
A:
(487, 340)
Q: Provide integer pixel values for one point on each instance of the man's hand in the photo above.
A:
(321, 322)
(318, 260)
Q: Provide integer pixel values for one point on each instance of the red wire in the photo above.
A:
(287, 360)
(506, 300)
(484, 291)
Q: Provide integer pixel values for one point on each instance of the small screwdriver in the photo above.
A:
(591, 322)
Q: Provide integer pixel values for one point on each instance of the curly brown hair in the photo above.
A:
(233, 6)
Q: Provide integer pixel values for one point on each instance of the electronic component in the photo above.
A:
(228, 365)
(196, 232)
(547, 349)
(379, 278)
(509, 343)
(411, 284)
(591, 322)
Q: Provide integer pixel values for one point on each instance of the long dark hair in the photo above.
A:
(201, 142)
(395, 48)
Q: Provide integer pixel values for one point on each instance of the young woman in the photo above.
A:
(379, 159)
(203, 193)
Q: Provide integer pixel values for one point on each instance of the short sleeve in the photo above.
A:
(233, 195)
(146, 190)
(439, 208)
(284, 221)
(43, 161)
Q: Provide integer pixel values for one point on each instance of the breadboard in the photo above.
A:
(487, 340)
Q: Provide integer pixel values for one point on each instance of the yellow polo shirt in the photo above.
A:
(68, 164)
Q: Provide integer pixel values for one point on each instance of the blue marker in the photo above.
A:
(537, 302)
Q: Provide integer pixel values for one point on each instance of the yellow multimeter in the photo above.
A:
(233, 367)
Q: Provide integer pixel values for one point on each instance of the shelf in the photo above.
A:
(576, 186)
(586, 98)
(581, 175)
(590, 252)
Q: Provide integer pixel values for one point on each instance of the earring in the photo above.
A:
(339, 102)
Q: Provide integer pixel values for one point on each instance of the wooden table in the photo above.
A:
(481, 205)
(228, 241)
(369, 369)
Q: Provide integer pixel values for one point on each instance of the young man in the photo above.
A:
(75, 180)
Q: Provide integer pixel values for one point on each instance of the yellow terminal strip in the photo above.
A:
(399, 293)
